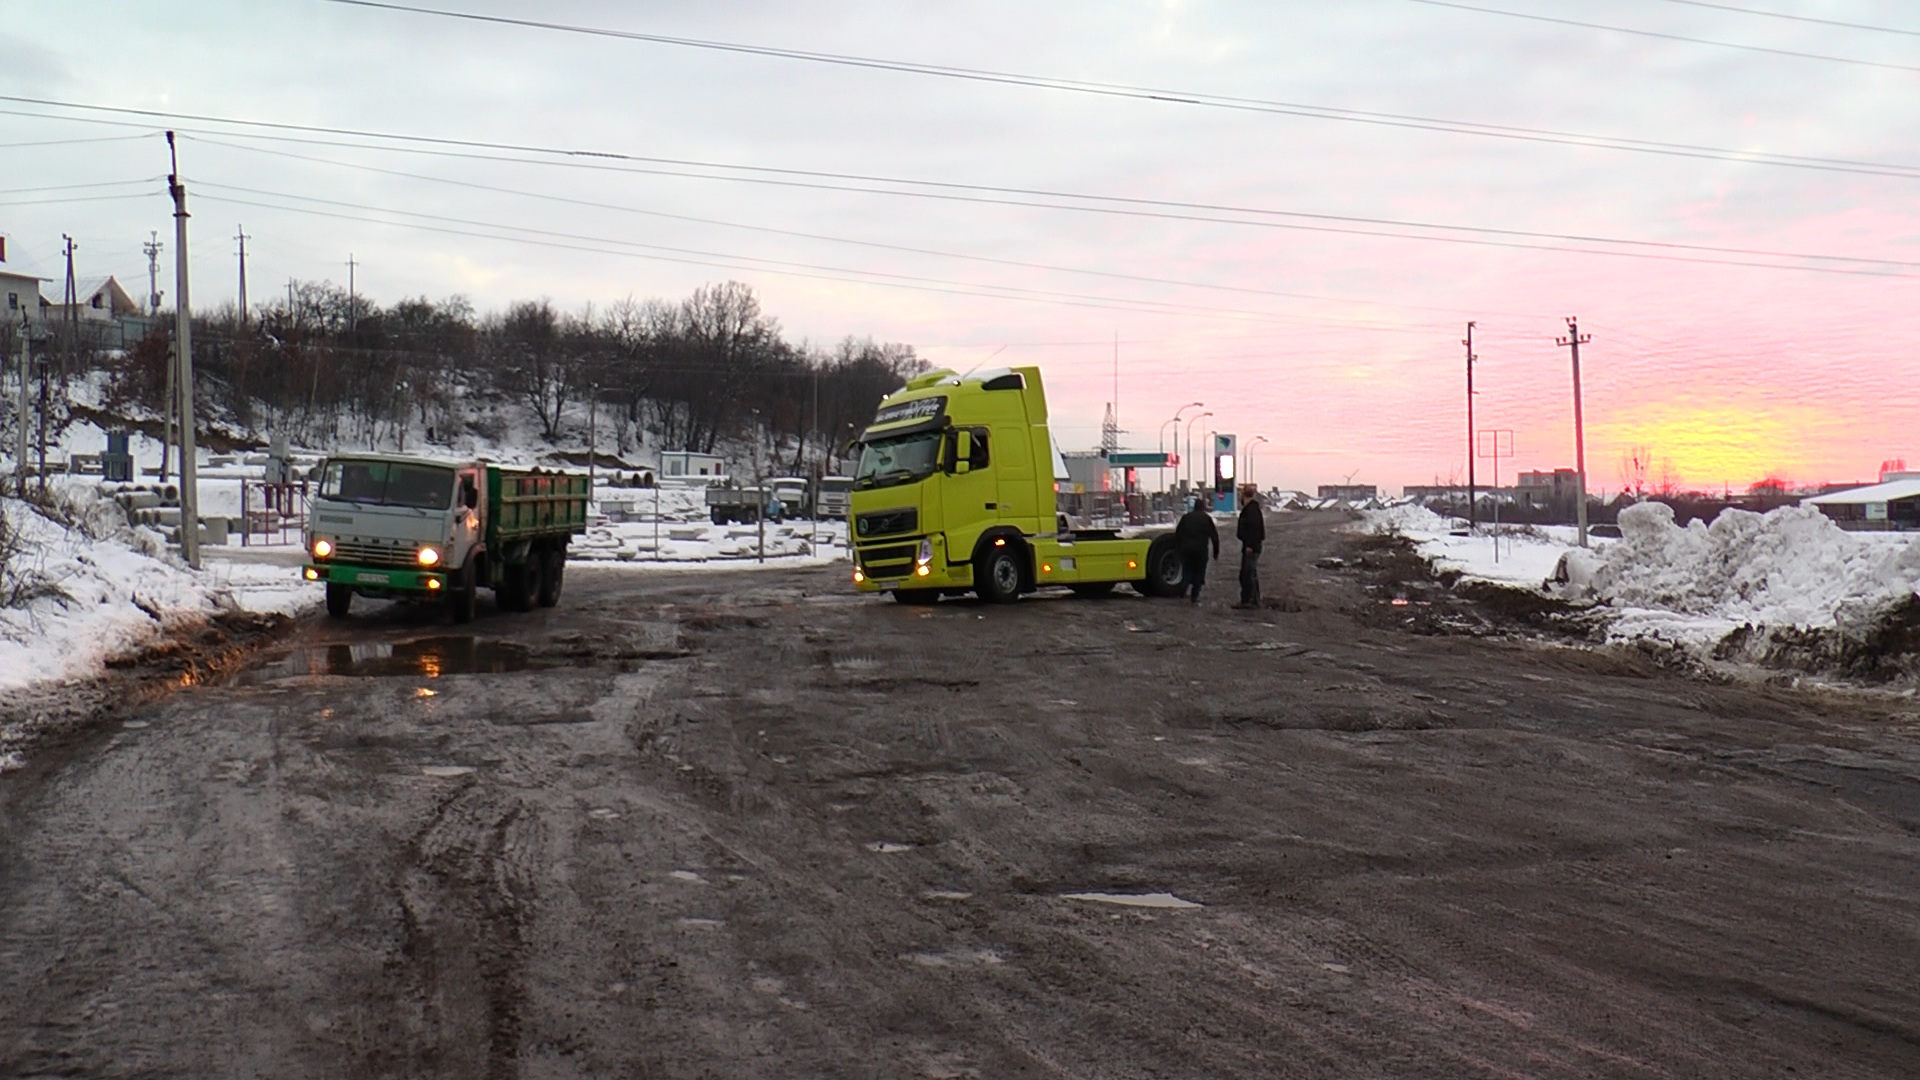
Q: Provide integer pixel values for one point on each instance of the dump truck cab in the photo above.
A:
(955, 492)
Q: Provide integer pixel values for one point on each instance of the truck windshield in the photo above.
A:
(885, 462)
(426, 487)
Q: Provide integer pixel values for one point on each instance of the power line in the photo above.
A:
(1640, 33)
(1421, 123)
(592, 204)
(946, 189)
(1797, 18)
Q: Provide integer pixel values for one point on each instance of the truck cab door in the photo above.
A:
(467, 514)
(970, 494)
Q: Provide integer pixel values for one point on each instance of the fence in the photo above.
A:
(272, 514)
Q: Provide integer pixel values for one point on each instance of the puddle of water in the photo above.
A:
(446, 770)
(1337, 969)
(946, 894)
(888, 847)
(136, 725)
(1146, 900)
(602, 813)
(687, 876)
(701, 924)
(424, 657)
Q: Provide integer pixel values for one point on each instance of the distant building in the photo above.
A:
(19, 292)
(1545, 489)
(1353, 493)
(1435, 491)
(102, 299)
(1890, 506)
(691, 464)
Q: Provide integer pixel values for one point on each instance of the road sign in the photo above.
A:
(1144, 459)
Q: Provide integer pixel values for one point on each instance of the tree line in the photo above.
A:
(325, 368)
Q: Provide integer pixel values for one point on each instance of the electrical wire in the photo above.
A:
(1797, 18)
(1640, 33)
(1197, 98)
(1127, 206)
(591, 204)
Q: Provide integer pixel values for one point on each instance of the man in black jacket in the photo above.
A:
(1193, 536)
(1252, 535)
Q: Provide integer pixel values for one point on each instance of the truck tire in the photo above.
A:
(997, 576)
(339, 600)
(460, 602)
(718, 517)
(520, 588)
(1093, 590)
(552, 576)
(1166, 574)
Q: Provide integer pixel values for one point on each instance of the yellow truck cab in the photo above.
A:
(955, 493)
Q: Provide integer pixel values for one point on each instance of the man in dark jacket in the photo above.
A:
(1193, 536)
(1252, 535)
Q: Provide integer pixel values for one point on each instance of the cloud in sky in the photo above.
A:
(1343, 349)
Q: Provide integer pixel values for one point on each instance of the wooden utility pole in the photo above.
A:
(353, 303)
(1473, 511)
(183, 344)
(72, 301)
(1574, 340)
(20, 428)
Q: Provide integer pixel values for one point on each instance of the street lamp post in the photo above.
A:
(1257, 440)
(1196, 419)
(1175, 422)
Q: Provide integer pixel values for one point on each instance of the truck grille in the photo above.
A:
(891, 561)
(887, 522)
(372, 554)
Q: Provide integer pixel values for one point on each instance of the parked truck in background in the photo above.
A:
(404, 527)
(955, 492)
(832, 497)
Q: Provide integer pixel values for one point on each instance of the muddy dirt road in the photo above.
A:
(749, 825)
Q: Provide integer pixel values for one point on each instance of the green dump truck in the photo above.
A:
(402, 527)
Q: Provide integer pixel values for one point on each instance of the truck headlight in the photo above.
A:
(926, 552)
(429, 556)
(322, 548)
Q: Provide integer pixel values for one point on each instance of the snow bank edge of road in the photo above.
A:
(1788, 588)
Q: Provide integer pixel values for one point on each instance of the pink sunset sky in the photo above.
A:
(1787, 142)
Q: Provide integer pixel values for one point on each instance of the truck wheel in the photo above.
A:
(553, 574)
(1093, 590)
(1166, 574)
(460, 602)
(998, 576)
(522, 584)
(339, 600)
(916, 597)
(718, 517)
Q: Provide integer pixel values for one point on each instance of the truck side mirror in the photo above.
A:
(962, 452)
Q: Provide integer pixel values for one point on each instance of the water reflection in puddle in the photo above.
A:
(424, 657)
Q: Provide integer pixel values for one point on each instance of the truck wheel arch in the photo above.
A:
(1023, 552)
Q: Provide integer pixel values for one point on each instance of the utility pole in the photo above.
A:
(353, 303)
(20, 429)
(1473, 511)
(1574, 340)
(593, 401)
(240, 234)
(71, 298)
(153, 247)
(183, 339)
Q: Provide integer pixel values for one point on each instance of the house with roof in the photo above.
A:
(19, 294)
(1893, 504)
(101, 300)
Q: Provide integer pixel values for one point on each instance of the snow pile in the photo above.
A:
(1408, 519)
(85, 588)
(1789, 568)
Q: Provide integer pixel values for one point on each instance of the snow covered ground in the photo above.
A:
(1789, 569)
